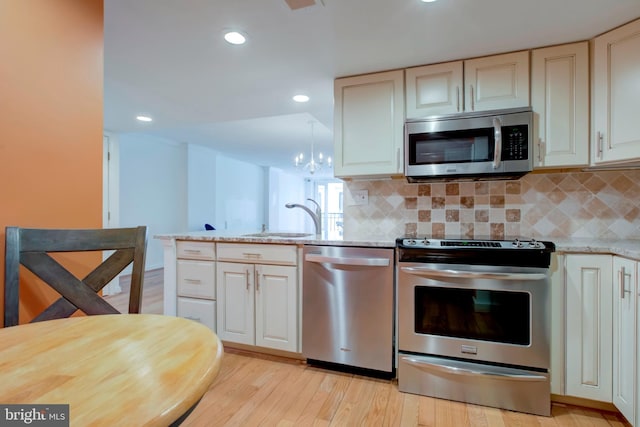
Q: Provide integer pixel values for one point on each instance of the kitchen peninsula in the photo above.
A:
(252, 280)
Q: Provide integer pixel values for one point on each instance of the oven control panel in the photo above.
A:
(426, 243)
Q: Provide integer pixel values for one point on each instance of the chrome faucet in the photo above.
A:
(316, 216)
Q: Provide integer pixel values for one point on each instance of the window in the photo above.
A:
(328, 193)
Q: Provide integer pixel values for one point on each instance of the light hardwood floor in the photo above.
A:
(253, 389)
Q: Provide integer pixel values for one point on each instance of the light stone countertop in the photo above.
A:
(239, 237)
(625, 248)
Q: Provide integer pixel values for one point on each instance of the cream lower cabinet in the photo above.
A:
(369, 125)
(257, 302)
(558, 308)
(588, 326)
(560, 102)
(616, 91)
(625, 337)
(195, 282)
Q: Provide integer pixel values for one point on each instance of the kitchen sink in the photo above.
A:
(278, 234)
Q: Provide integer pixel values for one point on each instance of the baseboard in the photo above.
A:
(258, 351)
(587, 403)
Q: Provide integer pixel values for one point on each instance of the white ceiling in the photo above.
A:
(167, 58)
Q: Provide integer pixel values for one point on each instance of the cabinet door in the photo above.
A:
(499, 81)
(556, 270)
(434, 89)
(588, 328)
(624, 336)
(199, 310)
(369, 123)
(616, 94)
(258, 253)
(560, 101)
(235, 284)
(188, 249)
(196, 278)
(276, 307)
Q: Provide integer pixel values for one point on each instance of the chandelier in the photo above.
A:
(313, 165)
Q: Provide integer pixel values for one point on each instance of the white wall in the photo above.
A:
(153, 189)
(173, 188)
(239, 195)
(201, 184)
(286, 188)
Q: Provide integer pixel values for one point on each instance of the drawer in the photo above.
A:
(196, 279)
(199, 310)
(260, 254)
(195, 250)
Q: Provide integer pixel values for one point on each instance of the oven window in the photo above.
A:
(497, 316)
(466, 146)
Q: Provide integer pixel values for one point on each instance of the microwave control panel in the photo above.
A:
(515, 144)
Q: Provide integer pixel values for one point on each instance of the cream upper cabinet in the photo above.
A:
(588, 326)
(625, 291)
(560, 102)
(495, 82)
(434, 89)
(488, 83)
(616, 95)
(369, 125)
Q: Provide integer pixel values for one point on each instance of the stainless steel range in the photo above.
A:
(474, 321)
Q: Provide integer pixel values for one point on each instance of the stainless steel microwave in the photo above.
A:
(479, 145)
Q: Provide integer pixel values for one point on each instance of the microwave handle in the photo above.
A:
(497, 152)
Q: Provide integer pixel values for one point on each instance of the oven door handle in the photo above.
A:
(485, 373)
(369, 262)
(437, 273)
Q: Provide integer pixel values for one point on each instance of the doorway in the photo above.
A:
(329, 194)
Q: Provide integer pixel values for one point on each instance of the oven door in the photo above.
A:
(476, 312)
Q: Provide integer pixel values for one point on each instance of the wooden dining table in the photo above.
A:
(121, 369)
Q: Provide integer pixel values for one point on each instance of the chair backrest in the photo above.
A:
(31, 247)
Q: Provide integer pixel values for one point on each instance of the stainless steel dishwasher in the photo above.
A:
(347, 309)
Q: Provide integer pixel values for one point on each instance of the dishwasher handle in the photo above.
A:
(360, 261)
(446, 273)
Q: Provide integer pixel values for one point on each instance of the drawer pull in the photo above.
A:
(193, 251)
(193, 280)
(251, 255)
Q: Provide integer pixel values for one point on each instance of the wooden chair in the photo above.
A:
(31, 247)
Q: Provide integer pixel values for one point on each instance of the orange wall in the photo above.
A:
(51, 79)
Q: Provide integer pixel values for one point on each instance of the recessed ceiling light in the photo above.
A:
(301, 98)
(235, 37)
(144, 118)
(428, 1)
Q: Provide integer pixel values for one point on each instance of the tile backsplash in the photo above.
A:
(603, 204)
